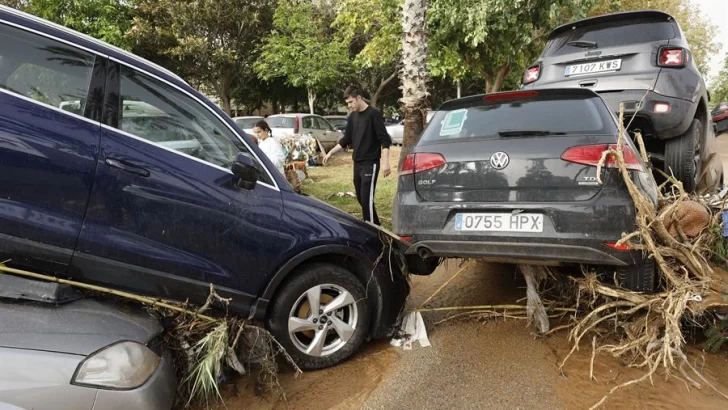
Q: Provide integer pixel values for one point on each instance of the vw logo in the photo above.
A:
(499, 160)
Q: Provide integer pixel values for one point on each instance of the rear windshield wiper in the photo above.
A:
(522, 133)
(582, 44)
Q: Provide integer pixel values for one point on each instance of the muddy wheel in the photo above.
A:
(684, 156)
(321, 316)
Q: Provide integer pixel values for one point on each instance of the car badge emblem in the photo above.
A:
(499, 160)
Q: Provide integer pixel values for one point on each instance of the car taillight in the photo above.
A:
(673, 57)
(532, 74)
(622, 247)
(420, 162)
(296, 125)
(592, 154)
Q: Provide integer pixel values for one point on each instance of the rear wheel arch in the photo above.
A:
(702, 113)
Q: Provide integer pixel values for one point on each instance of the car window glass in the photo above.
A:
(577, 116)
(280, 122)
(247, 122)
(323, 124)
(44, 70)
(307, 122)
(337, 122)
(611, 34)
(161, 114)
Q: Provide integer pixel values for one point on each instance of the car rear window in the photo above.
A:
(247, 122)
(280, 122)
(610, 34)
(484, 120)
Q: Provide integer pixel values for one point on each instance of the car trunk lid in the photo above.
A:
(607, 54)
(493, 151)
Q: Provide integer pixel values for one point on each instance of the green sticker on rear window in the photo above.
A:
(453, 122)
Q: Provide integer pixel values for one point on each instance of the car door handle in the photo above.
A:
(126, 166)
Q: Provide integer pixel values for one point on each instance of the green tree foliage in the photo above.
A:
(493, 37)
(216, 40)
(373, 32)
(303, 49)
(719, 89)
(107, 20)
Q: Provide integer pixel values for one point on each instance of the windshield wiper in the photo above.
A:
(582, 44)
(535, 133)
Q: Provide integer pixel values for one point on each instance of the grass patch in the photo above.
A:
(338, 176)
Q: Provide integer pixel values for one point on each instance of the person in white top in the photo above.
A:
(270, 146)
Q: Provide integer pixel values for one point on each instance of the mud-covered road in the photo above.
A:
(481, 365)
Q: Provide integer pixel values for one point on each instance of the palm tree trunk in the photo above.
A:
(414, 74)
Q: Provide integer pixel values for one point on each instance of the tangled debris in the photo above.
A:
(646, 329)
(203, 346)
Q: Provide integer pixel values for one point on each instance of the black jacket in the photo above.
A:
(366, 133)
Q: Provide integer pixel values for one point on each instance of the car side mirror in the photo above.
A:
(244, 169)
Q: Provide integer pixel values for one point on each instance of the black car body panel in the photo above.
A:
(581, 217)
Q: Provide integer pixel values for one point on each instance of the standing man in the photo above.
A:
(366, 133)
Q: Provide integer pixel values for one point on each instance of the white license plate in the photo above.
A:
(597, 67)
(499, 222)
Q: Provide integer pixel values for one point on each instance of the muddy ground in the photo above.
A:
(480, 365)
(497, 364)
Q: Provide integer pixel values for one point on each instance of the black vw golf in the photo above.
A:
(512, 177)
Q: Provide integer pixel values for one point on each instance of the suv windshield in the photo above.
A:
(540, 116)
(609, 34)
(280, 122)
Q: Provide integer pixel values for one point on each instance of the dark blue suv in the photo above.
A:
(115, 171)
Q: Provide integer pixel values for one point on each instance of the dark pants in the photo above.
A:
(365, 182)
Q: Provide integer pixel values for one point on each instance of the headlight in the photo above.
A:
(123, 365)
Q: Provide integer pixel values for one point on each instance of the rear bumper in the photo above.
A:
(577, 251)
(573, 232)
(665, 126)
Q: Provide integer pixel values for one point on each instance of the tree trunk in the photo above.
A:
(223, 91)
(494, 81)
(414, 74)
(488, 80)
(460, 88)
(500, 77)
(311, 99)
(382, 84)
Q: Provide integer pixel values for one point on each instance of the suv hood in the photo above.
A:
(80, 327)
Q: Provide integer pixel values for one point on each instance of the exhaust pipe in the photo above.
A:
(424, 252)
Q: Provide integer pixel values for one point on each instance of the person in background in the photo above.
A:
(270, 146)
(366, 133)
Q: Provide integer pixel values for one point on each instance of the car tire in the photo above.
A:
(640, 277)
(684, 156)
(340, 332)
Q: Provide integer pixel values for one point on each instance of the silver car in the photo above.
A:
(247, 123)
(396, 131)
(315, 125)
(78, 354)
